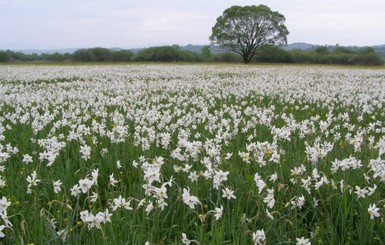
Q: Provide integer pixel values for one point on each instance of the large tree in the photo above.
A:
(245, 29)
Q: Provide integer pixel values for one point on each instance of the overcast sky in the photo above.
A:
(52, 24)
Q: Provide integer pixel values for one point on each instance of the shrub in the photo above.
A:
(273, 54)
(4, 56)
(228, 57)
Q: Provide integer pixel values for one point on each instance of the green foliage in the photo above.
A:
(102, 55)
(245, 29)
(4, 56)
(265, 54)
(120, 56)
(84, 55)
(322, 50)
(339, 56)
(165, 54)
(206, 52)
(57, 57)
(273, 54)
(228, 57)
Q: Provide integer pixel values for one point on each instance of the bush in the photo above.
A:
(371, 59)
(4, 56)
(121, 56)
(228, 57)
(165, 53)
(303, 57)
(101, 54)
(273, 54)
(84, 55)
(57, 57)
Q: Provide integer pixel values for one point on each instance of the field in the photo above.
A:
(192, 154)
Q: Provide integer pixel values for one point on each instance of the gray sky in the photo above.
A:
(50, 24)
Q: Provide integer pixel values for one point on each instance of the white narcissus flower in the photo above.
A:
(27, 159)
(85, 185)
(57, 186)
(373, 211)
(32, 181)
(85, 150)
(218, 213)
(228, 193)
(303, 241)
(188, 199)
(121, 202)
(259, 182)
(1, 230)
(149, 208)
(259, 237)
(4, 204)
(75, 190)
(185, 240)
(269, 199)
(113, 181)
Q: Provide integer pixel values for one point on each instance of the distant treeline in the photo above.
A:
(266, 54)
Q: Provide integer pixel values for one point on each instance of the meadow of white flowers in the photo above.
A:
(191, 154)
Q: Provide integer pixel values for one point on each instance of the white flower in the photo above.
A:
(185, 240)
(219, 177)
(193, 176)
(161, 193)
(303, 241)
(218, 213)
(94, 197)
(27, 159)
(85, 185)
(4, 204)
(85, 150)
(75, 190)
(2, 182)
(259, 237)
(121, 202)
(361, 193)
(118, 164)
(149, 208)
(95, 174)
(32, 181)
(103, 217)
(113, 181)
(273, 177)
(245, 156)
(228, 193)
(373, 211)
(1, 230)
(301, 201)
(259, 182)
(57, 186)
(188, 199)
(269, 199)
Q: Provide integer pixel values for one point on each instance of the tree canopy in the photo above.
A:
(245, 29)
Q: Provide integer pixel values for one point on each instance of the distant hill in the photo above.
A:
(46, 51)
(380, 49)
(301, 46)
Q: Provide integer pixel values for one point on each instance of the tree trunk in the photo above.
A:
(246, 58)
